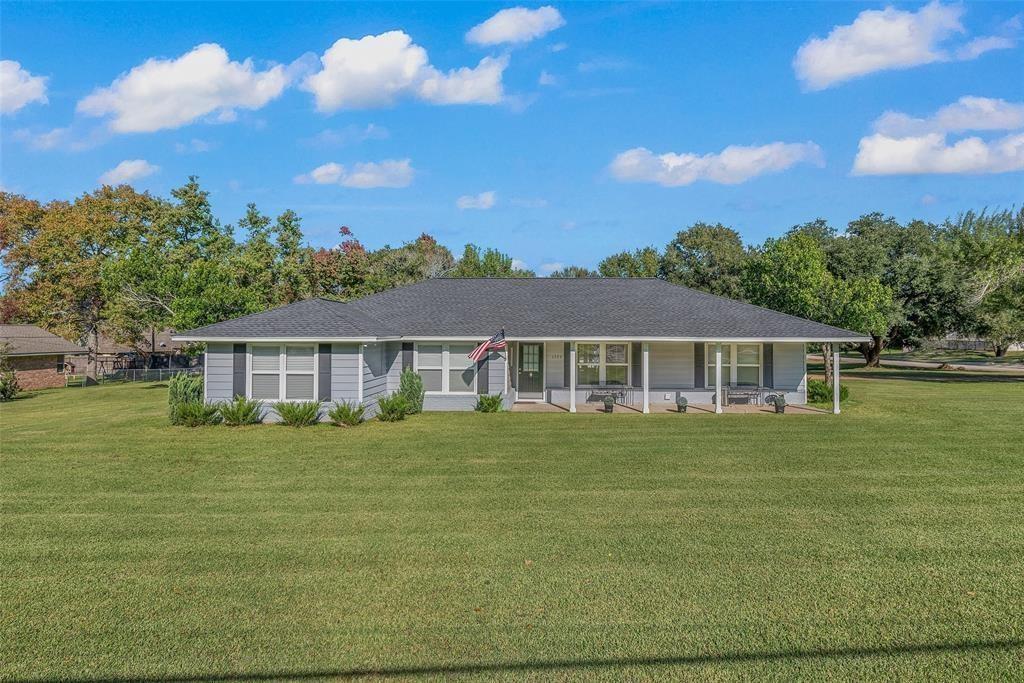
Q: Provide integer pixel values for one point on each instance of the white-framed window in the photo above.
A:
(602, 364)
(446, 368)
(741, 364)
(283, 372)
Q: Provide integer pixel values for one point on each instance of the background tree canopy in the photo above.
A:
(122, 262)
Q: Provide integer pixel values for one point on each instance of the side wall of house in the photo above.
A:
(38, 372)
(219, 372)
(790, 365)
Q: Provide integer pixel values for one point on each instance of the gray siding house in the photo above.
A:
(569, 341)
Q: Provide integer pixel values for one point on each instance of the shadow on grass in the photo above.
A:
(568, 664)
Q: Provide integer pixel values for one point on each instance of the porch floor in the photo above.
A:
(525, 407)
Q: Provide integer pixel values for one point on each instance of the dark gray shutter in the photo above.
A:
(324, 389)
(637, 362)
(238, 371)
(565, 364)
(482, 384)
(407, 355)
(699, 371)
(767, 364)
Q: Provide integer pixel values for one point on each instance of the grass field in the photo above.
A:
(952, 356)
(885, 543)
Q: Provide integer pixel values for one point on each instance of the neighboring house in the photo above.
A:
(157, 349)
(39, 359)
(569, 341)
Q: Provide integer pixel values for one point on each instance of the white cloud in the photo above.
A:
(516, 25)
(375, 71)
(128, 171)
(350, 134)
(878, 40)
(548, 268)
(49, 139)
(363, 175)
(546, 78)
(169, 93)
(482, 201)
(735, 164)
(517, 264)
(18, 87)
(903, 144)
(967, 113)
(193, 146)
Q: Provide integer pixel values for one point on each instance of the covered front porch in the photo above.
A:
(650, 376)
(664, 408)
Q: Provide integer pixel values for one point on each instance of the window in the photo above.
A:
(282, 371)
(446, 368)
(598, 364)
(741, 364)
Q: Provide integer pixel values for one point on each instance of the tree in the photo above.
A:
(706, 257)
(490, 263)
(789, 275)
(574, 272)
(645, 262)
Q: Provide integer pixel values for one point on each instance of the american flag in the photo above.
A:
(495, 342)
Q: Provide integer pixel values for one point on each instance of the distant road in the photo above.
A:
(931, 365)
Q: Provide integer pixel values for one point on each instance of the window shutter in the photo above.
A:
(767, 365)
(481, 375)
(324, 369)
(699, 371)
(407, 355)
(636, 361)
(238, 371)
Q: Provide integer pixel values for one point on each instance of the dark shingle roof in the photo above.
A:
(529, 307)
(309, 319)
(29, 340)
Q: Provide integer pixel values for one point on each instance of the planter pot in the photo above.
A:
(682, 409)
(780, 409)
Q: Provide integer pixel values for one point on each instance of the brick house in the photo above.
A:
(39, 359)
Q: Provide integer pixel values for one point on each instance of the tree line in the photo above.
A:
(122, 262)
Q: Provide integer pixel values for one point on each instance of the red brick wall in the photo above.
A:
(37, 372)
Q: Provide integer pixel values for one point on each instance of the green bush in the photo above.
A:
(241, 411)
(298, 414)
(489, 403)
(347, 414)
(392, 408)
(9, 386)
(820, 392)
(196, 414)
(410, 385)
(183, 388)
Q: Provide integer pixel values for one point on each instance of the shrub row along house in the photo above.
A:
(644, 342)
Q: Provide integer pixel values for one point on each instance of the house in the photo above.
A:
(644, 341)
(39, 358)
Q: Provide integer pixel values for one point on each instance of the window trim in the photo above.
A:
(283, 372)
(602, 364)
(709, 355)
(445, 369)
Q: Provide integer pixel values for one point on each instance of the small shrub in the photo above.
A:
(820, 392)
(298, 414)
(410, 385)
(183, 388)
(196, 414)
(241, 411)
(489, 403)
(681, 404)
(9, 386)
(392, 408)
(609, 404)
(347, 414)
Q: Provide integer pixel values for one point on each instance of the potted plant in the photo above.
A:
(609, 404)
(681, 403)
(780, 403)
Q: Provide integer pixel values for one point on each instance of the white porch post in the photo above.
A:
(572, 377)
(718, 377)
(835, 380)
(647, 377)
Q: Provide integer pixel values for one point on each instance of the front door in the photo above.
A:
(531, 371)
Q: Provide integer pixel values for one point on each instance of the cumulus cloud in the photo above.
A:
(47, 139)
(735, 164)
(375, 71)
(128, 171)
(903, 144)
(363, 175)
(548, 268)
(482, 201)
(169, 93)
(890, 38)
(518, 264)
(516, 25)
(18, 87)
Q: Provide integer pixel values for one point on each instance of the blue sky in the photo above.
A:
(569, 131)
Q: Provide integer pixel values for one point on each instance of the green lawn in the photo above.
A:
(885, 543)
(952, 356)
